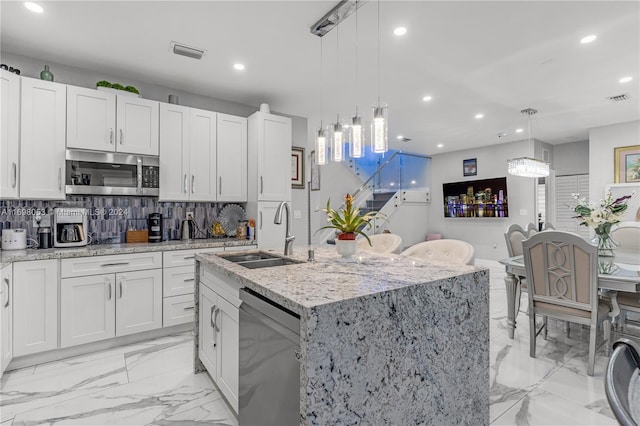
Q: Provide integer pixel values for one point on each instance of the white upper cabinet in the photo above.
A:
(202, 155)
(232, 158)
(91, 119)
(187, 154)
(102, 121)
(9, 134)
(270, 149)
(42, 145)
(137, 121)
(174, 152)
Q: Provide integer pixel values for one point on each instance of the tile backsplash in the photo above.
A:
(110, 217)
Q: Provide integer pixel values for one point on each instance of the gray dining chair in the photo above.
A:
(547, 226)
(623, 367)
(562, 272)
(514, 237)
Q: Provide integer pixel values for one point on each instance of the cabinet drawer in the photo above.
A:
(177, 281)
(95, 265)
(177, 310)
(221, 284)
(185, 257)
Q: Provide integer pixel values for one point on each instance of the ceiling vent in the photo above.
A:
(184, 50)
(619, 98)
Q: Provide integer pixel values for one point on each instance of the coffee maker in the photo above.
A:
(155, 227)
(43, 224)
(70, 227)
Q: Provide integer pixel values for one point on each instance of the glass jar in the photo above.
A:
(241, 230)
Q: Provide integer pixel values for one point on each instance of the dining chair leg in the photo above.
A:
(532, 333)
(546, 327)
(592, 350)
(606, 324)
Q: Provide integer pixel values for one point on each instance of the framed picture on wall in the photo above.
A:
(627, 164)
(470, 167)
(297, 167)
(315, 173)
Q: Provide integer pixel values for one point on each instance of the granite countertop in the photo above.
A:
(9, 256)
(331, 278)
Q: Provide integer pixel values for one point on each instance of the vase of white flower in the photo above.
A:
(601, 217)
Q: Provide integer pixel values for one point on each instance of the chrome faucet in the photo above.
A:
(288, 240)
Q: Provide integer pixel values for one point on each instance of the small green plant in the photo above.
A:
(132, 90)
(349, 220)
(117, 86)
(103, 83)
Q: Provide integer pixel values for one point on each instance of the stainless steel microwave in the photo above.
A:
(110, 173)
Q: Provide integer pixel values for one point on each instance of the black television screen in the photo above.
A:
(476, 198)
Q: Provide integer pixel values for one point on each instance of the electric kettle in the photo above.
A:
(187, 229)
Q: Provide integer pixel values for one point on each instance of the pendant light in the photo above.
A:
(337, 135)
(356, 144)
(321, 137)
(526, 166)
(379, 124)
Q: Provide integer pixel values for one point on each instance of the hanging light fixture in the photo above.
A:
(379, 124)
(321, 138)
(337, 135)
(356, 144)
(526, 166)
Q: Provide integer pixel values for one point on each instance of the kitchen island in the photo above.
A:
(383, 339)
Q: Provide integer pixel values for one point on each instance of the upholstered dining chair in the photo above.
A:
(532, 229)
(447, 251)
(562, 272)
(381, 243)
(514, 237)
(547, 226)
(622, 369)
(627, 235)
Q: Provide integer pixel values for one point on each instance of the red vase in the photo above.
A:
(347, 236)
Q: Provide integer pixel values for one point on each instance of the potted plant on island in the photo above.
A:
(349, 222)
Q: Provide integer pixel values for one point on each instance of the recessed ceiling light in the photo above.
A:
(479, 116)
(239, 67)
(625, 79)
(519, 130)
(588, 39)
(34, 7)
(427, 98)
(400, 31)
(439, 145)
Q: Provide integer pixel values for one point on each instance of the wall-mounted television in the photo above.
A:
(476, 198)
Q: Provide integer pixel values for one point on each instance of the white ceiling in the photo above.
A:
(494, 58)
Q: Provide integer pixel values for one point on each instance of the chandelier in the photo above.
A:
(526, 166)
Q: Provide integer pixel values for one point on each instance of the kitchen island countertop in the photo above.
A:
(383, 339)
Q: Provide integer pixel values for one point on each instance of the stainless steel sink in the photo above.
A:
(259, 260)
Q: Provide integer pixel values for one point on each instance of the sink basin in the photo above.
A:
(259, 260)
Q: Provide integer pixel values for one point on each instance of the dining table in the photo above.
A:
(618, 273)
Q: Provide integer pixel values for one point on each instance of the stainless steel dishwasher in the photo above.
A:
(269, 389)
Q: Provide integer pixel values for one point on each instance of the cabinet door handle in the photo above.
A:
(14, 168)
(6, 281)
(215, 319)
(59, 178)
(121, 137)
(188, 308)
(261, 184)
(185, 184)
(114, 264)
(109, 286)
(111, 136)
(189, 257)
(260, 220)
(213, 324)
(220, 185)
(186, 280)
(193, 184)
(121, 289)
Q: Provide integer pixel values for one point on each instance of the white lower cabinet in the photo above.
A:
(35, 314)
(177, 309)
(6, 321)
(139, 302)
(219, 332)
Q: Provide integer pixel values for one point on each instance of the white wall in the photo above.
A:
(571, 158)
(486, 235)
(602, 141)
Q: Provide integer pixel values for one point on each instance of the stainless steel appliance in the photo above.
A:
(14, 239)
(44, 237)
(155, 227)
(187, 229)
(269, 388)
(109, 173)
(70, 227)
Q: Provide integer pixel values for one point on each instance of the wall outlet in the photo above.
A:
(189, 216)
